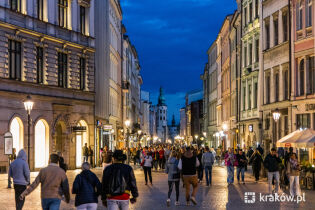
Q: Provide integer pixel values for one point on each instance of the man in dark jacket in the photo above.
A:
(242, 162)
(87, 188)
(271, 163)
(20, 173)
(117, 183)
(188, 165)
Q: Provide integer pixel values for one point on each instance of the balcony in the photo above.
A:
(125, 86)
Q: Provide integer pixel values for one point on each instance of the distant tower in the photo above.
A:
(173, 129)
(161, 117)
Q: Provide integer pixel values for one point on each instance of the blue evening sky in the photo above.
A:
(172, 38)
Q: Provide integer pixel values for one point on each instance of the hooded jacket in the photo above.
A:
(171, 169)
(19, 169)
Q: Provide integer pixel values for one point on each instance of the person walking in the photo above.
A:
(242, 162)
(155, 156)
(188, 165)
(173, 177)
(147, 166)
(271, 163)
(106, 157)
(20, 173)
(230, 160)
(118, 183)
(256, 160)
(85, 152)
(293, 172)
(86, 187)
(207, 161)
(91, 154)
(51, 178)
(161, 158)
(200, 168)
(167, 153)
(62, 163)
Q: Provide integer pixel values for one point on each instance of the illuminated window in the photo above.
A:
(40, 9)
(15, 5)
(63, 13)
(41, 144)
(16, 128)
(82, 19)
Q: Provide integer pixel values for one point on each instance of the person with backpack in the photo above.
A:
(188, 165)
(207, 161)
(86, 187)
(173, 176)
(271, 163)
(118, 184)
(147, 167)
(242, 162)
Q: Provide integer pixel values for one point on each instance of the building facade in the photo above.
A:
(49, 55)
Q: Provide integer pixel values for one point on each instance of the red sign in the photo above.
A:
(287, 145)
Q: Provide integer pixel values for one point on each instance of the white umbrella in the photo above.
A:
(299, 139)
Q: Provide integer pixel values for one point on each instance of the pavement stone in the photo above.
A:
(217, 196)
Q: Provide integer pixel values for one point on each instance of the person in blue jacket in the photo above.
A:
(86, 187)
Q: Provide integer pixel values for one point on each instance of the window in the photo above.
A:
(40, 64)
(62, 69)
(285, 26)
(82, 19)
(249, 96)
(244, 97)
(15, 5)
(311, 75)
(245, 55)
(257, 50)
(15, 59)
(267, 123)
(286, 85)
(299, 15)
(256, 8)
(250, 52)
(277, 87)
(286, 125)
(255, 95)
(245, 16)
(267, 89)
(82, 73)
(276, 32)
(40, 9)
(308, 16)
(303, 121)
(267, 36)
(302, 77)
(250, 12)
(63, 13)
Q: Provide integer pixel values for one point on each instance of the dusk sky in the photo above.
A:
(172, 38)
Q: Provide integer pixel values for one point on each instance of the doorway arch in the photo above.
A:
(81, 139)
(17, 130)
(41, 144)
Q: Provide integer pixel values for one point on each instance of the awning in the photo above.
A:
(304, 138)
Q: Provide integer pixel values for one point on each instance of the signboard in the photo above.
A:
(78, 128)
(8, 143)
(287, 145)
(250, 128)
(107, 127)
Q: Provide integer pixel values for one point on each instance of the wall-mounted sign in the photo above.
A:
(250, 128)
(287, 145)
(309, 107)
(107, 127)
(78, 128)
(8, 143)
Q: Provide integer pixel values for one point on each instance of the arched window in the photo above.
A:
(81, 139)
(41, 144)
(16, 128)
(302, 77)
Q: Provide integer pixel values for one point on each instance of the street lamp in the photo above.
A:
(224, 126)
(196, 137)
(204, 134)
(28, 104)
(276, 116)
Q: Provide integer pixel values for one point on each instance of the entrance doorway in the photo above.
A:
(17, 130)
(81, 139)
(41, 144)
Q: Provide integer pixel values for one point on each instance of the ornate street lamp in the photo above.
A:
(28, 104)
(276, 115)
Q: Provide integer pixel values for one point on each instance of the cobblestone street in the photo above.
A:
(217, 196)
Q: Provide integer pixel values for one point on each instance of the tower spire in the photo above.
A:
(161, 100)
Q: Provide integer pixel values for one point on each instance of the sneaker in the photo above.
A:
(193, 200)
(177, 203)
(168, 202)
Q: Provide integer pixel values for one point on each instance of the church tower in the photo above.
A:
(161, 117)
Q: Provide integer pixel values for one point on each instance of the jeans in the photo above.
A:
(272, 175)
(230, 171)
(155, 164)
(87, 206)
(240, 170)
(147, 171)
(51, 203)
(208, 173)
(190, 180)
(85, 159)
(170, 188)
(18, 190)
(117, 204)
(200, 172)
(295, 183)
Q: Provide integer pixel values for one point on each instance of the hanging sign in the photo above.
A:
(78, 128)
(8, 143)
